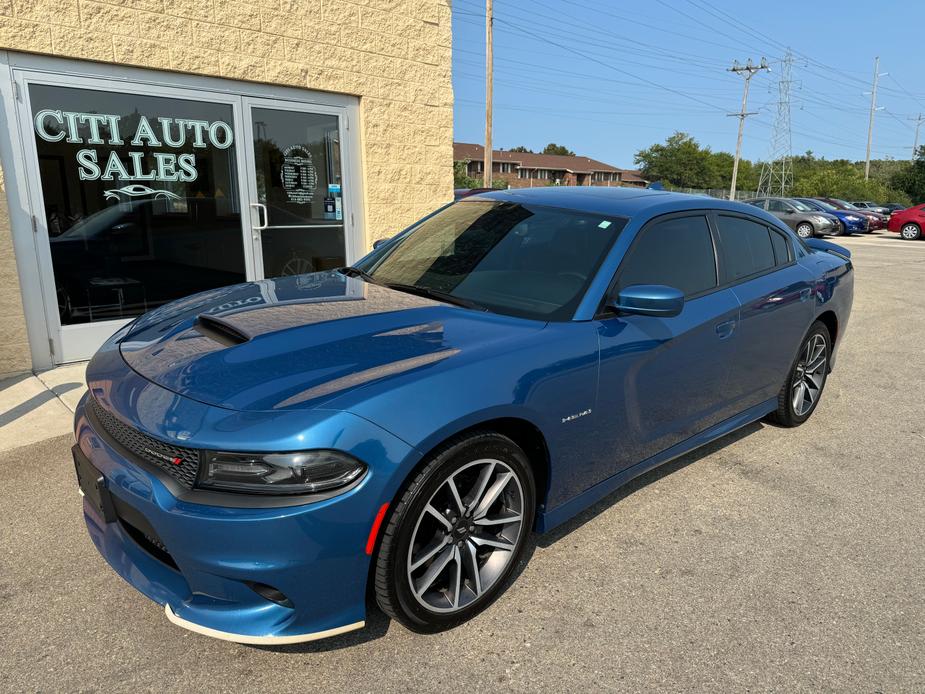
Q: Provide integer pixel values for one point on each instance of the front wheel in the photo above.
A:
(456, 534)
(800, 395)
(805, 230)
(910, 232)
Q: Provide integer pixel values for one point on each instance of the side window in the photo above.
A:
(781, 247)
(676, 252)
(747, 248)
(777, 206)
(757, 203)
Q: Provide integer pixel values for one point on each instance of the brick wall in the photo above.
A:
(393, 54)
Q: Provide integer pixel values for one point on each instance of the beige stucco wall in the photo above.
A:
(393, 54)
(14, 345)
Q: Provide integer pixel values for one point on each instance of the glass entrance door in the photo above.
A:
(296, 188)
(137, 203)
(139, 191)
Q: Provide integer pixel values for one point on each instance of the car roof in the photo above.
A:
(618, 201)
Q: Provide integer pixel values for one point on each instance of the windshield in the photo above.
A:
(801, 206)
(517, 259)
(824, 205)
(845, 205)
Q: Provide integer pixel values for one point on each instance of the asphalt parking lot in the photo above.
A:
(773, 560)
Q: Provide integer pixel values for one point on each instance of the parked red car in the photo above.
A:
(875, 221)
(909, 222)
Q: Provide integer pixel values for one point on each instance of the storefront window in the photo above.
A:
(141, 199)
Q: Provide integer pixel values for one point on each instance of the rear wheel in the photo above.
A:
(800, 395)
(805, 230)
(911, 231)
(456, 534)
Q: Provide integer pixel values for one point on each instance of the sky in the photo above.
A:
(607, 78)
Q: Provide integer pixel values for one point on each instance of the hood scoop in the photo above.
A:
(220, 330)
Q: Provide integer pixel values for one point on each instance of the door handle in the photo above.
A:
(261, 214)
(725, 329)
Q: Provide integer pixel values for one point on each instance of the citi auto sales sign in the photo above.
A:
(95, 162)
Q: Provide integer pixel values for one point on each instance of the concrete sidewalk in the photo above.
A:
(34, 408)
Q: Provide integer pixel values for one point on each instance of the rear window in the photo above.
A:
(747, 247)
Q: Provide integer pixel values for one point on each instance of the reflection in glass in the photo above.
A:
(299, 181)
(141, 199)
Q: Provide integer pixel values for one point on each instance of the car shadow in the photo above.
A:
(644, 480)
(377, 623)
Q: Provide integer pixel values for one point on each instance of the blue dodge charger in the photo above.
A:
(261, 459)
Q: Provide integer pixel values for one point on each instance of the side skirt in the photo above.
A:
(549, 520)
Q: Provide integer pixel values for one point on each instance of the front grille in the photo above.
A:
(180, 463)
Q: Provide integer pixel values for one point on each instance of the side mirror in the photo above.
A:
(648, 300)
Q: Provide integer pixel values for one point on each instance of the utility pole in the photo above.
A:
(873, 109)
(489, 80)
(915, 145)
(777, 172)
(748, 70)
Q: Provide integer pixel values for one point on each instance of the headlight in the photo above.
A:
(852, 218)
(280, 473)
(821, 220)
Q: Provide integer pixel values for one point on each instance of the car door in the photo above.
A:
(775, 293)
(783, 212)
(663, 380)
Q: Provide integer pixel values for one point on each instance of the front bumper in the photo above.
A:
(200, 560)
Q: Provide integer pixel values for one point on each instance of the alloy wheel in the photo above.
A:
(810, 375)
(910, 232)
(466, 535)
(804, 231)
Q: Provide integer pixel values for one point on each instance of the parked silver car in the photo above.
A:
(873, 207)
(804, 220)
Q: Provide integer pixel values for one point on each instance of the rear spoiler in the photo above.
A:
(828, 247)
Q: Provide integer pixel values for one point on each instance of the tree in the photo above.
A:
(461, 177)
(680, 161)
(553, 148)
(521, 148)
(911, 179)
(844, 179)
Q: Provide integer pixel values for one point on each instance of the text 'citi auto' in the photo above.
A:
(261, 458)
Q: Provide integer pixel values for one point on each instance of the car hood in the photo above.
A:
(298, 342)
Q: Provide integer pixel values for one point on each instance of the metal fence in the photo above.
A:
(721, 193)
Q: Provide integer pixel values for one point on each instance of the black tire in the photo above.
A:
(910, 232)
(393, 574)
(786, 414)
(805, 230)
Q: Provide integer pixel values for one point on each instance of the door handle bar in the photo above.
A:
(261, 208)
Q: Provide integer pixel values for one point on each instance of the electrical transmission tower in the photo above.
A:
(777, 171)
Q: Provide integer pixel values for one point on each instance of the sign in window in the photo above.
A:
(140, 196)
